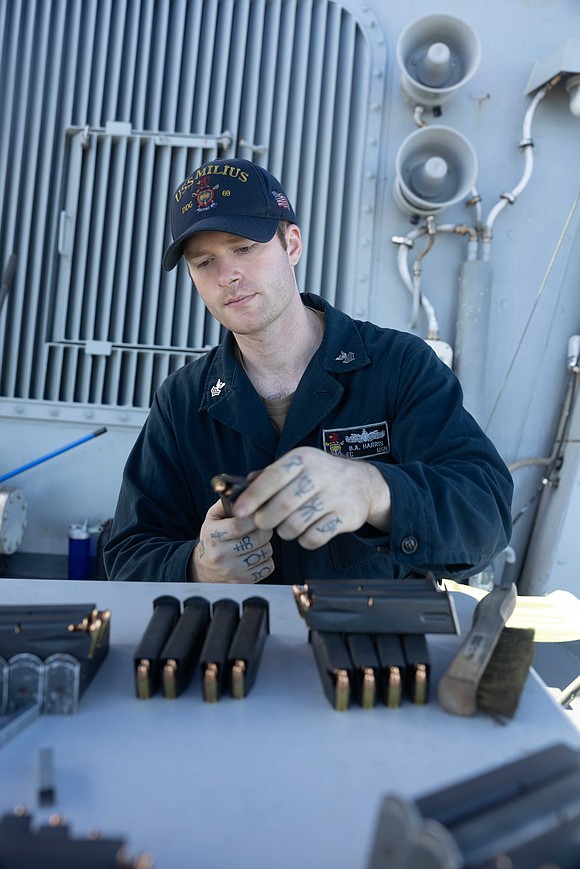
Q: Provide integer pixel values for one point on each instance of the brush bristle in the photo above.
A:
(502, 683)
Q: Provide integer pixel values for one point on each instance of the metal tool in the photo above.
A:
(51, 455)
(457, 688)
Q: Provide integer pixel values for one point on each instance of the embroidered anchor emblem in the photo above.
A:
(345, 357)
(216, 390)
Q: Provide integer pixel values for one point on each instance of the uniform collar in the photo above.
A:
(224, 375)
(342, 350)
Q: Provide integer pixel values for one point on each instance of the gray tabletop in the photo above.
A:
(278, 779)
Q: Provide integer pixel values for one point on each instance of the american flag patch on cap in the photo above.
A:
(281, 199)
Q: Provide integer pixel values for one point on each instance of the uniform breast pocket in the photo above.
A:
(358, 559)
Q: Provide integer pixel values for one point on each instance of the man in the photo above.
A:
(363, 461)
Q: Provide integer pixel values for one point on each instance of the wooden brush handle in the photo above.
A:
(457, 689)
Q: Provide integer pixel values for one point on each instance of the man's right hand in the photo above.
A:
(231, 550)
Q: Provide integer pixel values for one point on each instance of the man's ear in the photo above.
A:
(293, 244)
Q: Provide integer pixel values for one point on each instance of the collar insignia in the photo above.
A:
(216, 390)
(345, 357)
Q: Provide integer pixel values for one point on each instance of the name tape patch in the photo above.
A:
(357, 442)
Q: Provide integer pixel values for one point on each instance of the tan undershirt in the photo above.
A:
(277, 408)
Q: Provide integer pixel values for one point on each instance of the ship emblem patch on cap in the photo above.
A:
(205, 194)
(204, 197)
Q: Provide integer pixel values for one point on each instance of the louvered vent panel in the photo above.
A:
(107, 106)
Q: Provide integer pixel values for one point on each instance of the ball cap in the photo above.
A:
(234, 196)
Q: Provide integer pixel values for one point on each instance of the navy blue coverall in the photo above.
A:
(369, 393)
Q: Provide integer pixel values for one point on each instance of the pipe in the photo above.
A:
(475, 202)
(527, 144)
(413, 284)
(472, 333)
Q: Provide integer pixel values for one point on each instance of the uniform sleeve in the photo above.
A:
(155, 526)
(451, 492)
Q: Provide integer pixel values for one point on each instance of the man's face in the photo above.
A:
(246, 285)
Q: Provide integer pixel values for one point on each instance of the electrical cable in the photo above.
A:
(563, 428)
(556, 460)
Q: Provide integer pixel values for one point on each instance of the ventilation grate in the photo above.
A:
(108, 106)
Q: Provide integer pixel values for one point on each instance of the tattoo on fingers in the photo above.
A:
(256, 557)
(330, 526)
(293, 462)
(243, 544)
(217, 535)
(307, 511)
(261, 574)
(304, 485)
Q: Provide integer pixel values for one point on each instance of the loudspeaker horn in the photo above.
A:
(435, 167)
(437, 55)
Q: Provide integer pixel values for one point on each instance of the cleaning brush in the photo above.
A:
(489, 670)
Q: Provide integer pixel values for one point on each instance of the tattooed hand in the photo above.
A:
(231, 550)
(311, 496)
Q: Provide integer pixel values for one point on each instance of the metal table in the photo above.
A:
(278, 779)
